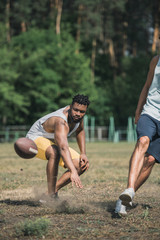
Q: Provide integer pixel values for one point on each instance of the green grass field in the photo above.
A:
(80, 214)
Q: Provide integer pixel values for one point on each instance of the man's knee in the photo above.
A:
(143, 142)
(76, 163)
(78, 166)
(52, 152)
(149, 160)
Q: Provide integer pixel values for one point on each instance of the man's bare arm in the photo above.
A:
(144, 92)
(80, 136)
(61, 131)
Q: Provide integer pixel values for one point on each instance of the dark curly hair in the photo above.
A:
(81, 99)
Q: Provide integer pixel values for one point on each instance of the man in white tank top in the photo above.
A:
(146, 151)
(50, 134)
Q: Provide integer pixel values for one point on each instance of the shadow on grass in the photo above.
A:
(144, 206)
(109, 207)
(21, 202)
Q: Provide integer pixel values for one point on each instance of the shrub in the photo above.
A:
(38, 227)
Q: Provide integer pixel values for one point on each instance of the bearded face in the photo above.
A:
(77, 112)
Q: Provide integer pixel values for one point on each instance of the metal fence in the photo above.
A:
(12, 133)
(93, 133)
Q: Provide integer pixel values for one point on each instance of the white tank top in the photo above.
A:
(37, 129)
(152, 105)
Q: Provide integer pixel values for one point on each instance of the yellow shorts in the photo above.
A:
(42, 145)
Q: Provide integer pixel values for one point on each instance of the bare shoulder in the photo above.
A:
(61, 128)
(60, 123)
(154, 61)
(53, 123)
(152, 66)
(65, 111)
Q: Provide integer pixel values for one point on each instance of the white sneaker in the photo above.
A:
(120, 208)
(127, 196)
(48, 198)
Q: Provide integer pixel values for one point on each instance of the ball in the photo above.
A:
(25, 148)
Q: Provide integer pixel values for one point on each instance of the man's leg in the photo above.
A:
(149, 162)
(137, 160)
(53, 156)
(65, 178)
(136, 165)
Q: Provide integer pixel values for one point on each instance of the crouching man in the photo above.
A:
(50, 134)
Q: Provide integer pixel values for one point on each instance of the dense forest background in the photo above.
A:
(51, 50)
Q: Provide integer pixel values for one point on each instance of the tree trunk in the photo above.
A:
(52, 9)
(134, 49)
(23, 26)
(8, 21)
(4, 120)
(124, 49)
(155, 38)
(111, 52)
(93, 57)
(59, 4)
(156, 16)
(79, 20)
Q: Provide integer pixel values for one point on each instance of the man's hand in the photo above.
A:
(75, 179)
(84, 163)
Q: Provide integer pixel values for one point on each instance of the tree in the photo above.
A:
(11, 101)
(48, 75)
(97, 46)
(156, 25)
(127, 87)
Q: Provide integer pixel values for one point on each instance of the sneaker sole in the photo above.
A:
(121, 213)
(126, 199)
(42, 201)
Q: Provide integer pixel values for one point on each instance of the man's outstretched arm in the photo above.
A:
(61, 131)
(144, 92)
(80, 136)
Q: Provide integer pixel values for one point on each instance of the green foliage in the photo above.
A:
(145, 213)
(49, 70)
(41, 71)
(3, 34)
(102, 107)
(39, 227)
(128, 85)
(11, 101)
